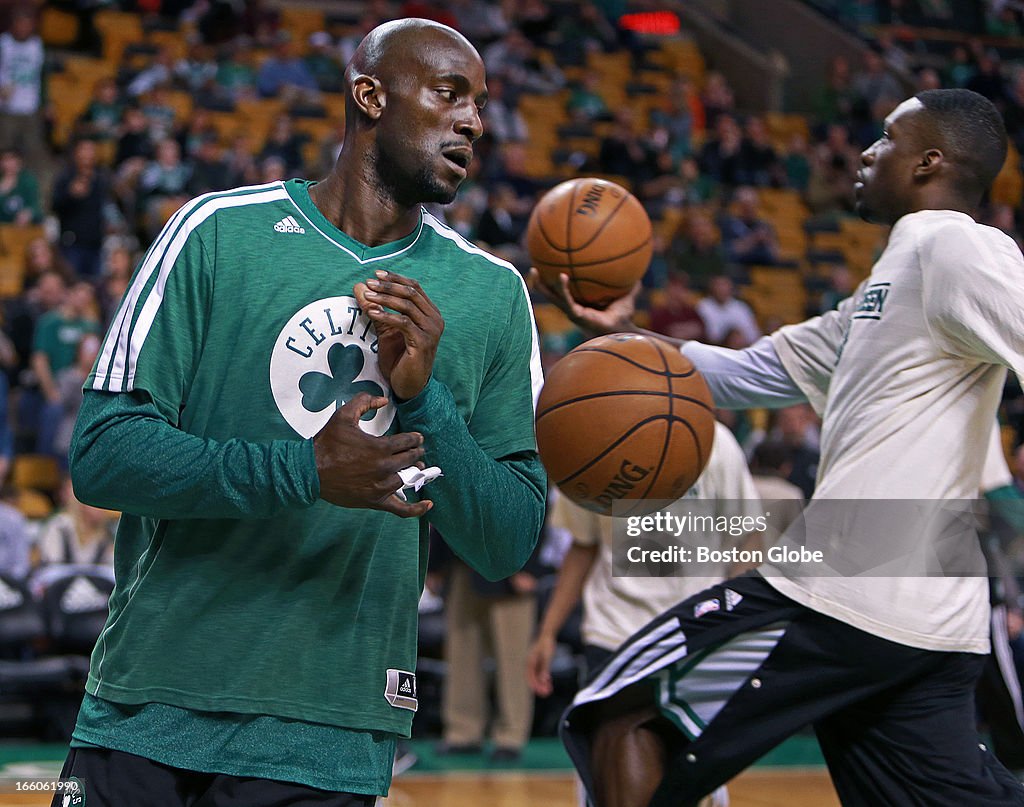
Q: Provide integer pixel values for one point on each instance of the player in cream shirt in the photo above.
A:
(880, 645)
(615, 607)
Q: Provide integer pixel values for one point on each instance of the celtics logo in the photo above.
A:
(323, 358)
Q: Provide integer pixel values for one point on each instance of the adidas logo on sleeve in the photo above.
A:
(289, 225)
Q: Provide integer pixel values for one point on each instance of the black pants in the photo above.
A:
(739, 667)
(116, 779)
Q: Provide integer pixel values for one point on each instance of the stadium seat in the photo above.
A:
(36, 472)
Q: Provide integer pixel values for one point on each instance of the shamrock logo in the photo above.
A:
(320, 390)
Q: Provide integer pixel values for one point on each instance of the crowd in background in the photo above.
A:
(103, 194)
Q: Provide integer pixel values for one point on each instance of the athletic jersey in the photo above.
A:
(616, 607)
(240, 324)
(907, 375)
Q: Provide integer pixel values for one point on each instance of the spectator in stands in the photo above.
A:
(285, 75)
(284, 143)
(960, 67)
(677, 315)
(583, 32)
(41, 257)
(797, 427)
(479, 615)
(117, 275)
(210, 172)
(841, 284)
(236, 79)
(196, 71)
(242, 160)
(163, 186)
(721, 157)
(717, 97)
(682, 115)
(625, 152)
(721, 311)
(22, 108)
(80, 194)
(77, 534)
(761, 164)
(874, 81)
(19, 191)
(160, 113)
(537, 21)
(69, 383)
(159, 73)
(322, 62)
(697, 251)
(988, 77)
(586, 104)
(746, 237)
(511, 169)
(502, 222)
(796, 163)
(523, 66)
(834, 102)
(55, 347)
(829, 192)
(15, 536)
(273, 169)
(134, 142)
(21, 315)
(102, 118)
(928, 78)
(1002, 19)
(771, 466)
(198, 128)
(502, 120)
(480, 21)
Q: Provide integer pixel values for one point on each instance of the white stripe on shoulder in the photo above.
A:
(123, 342)
(443, 230)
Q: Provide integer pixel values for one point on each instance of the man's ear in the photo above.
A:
(931, 161)
(369, 96)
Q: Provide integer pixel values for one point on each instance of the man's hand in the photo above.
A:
(616, 318)
(407, 335)
(359, 470)
(538, 665)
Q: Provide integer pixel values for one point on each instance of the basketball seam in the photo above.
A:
(617, 443)
(568, 241)
(568, 252)
(635, 363)
(700, 460)
(591, 396)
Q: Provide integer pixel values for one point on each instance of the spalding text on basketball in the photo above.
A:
(622, 483)
(591, 199)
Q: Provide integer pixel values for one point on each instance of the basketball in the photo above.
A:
(594, 231)
(624, 417)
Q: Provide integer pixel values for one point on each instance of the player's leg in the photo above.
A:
(628, 757)
(107, 778)
(916, 744)
(234, 791)
(999, 696)
(464, 705)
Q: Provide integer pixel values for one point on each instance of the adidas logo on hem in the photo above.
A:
(289, 225)
(405, 688)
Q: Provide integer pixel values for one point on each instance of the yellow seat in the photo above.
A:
(35, 472)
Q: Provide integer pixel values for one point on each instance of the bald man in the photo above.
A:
(271, 395)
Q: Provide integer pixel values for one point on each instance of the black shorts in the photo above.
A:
(117, 779)
(739, 667)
